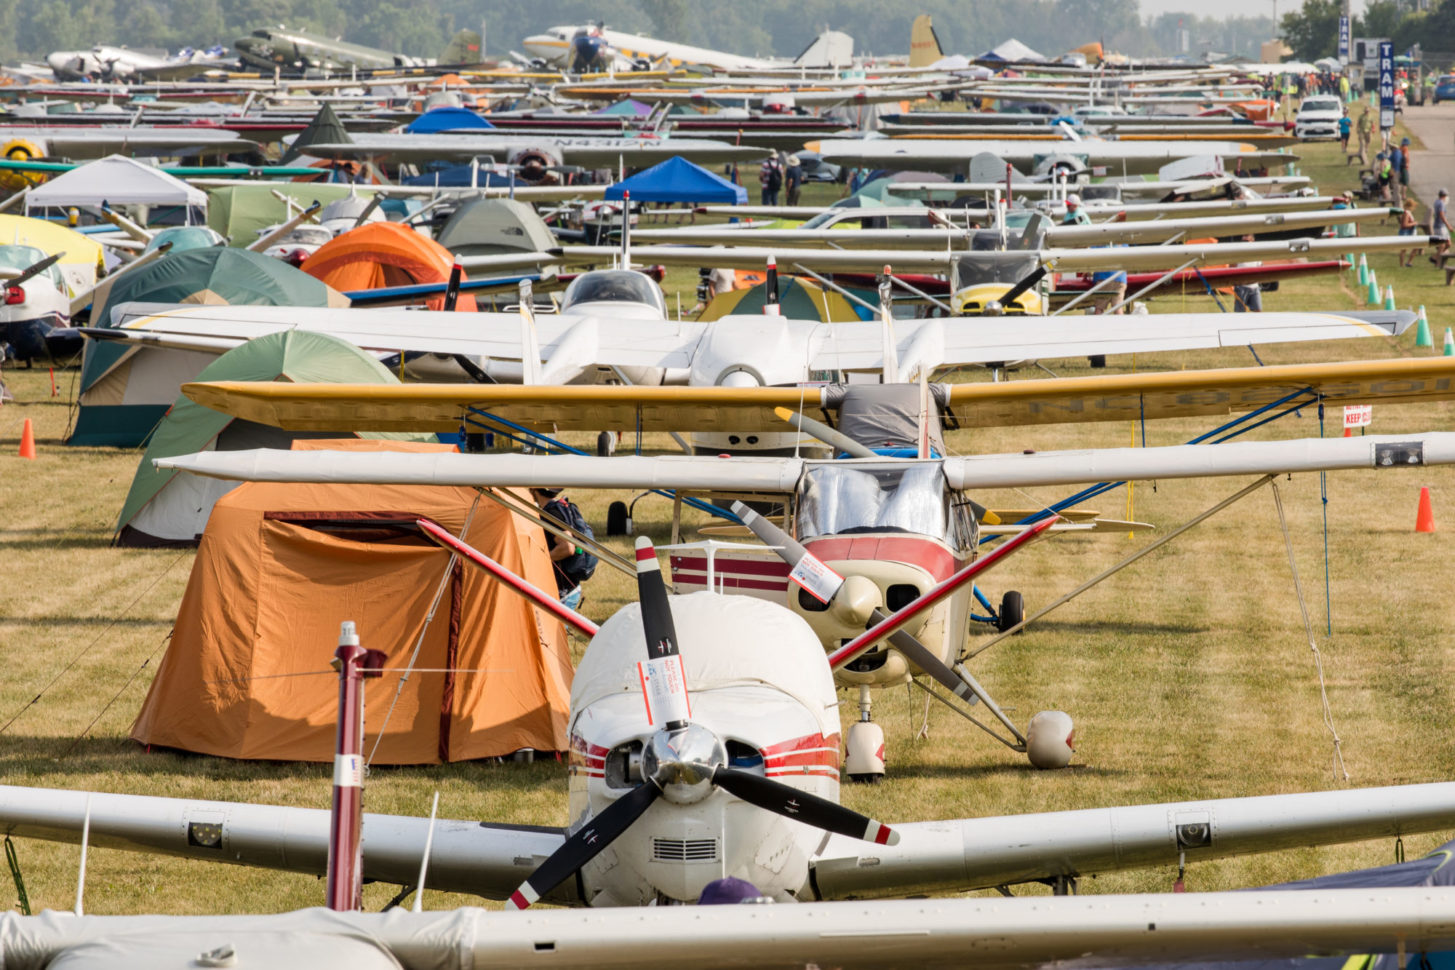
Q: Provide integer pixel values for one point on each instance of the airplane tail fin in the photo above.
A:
(924, 43)
(464, 48)
(832, 48)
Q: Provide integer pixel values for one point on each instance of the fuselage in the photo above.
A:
(757, 680)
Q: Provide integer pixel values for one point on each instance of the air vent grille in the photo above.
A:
(684, 850)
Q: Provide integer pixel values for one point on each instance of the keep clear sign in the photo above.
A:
(1386, 84)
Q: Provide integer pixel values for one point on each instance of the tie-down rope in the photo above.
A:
(1338, 760)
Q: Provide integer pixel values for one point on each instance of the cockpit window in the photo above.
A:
(897, 497)
(21, 257)
(613, 286)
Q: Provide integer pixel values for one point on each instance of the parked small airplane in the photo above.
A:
(107, 63)
(878, 532)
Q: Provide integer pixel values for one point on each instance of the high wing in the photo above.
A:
(932, 261)
(97, 143)
(781, 475)
(590, 152)
(1119, 397)
(572, 344)
(993, 934)
(1148, 231)
(468, 857)
(953, 154)
(953, 855)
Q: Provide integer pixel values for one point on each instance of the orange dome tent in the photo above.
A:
(379, 254)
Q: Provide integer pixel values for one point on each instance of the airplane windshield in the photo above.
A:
(613, 286)
(893, 497)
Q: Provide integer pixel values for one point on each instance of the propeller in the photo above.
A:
(34, 269)
(1012, 294)
(452, 289)
(683, 762)
(852, 607)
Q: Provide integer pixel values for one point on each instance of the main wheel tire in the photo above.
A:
(616, 515)
(1012, 610)
(605, 444)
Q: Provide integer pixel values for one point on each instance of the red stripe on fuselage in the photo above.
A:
(927, 554)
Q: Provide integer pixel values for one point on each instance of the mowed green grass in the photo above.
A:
(1189, 674)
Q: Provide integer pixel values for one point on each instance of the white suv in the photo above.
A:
(1318, 118)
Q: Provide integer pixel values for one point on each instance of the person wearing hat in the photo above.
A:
(572, 564)
(793, 178)
(1075, 215)
(1384, 171)
(1440, 226)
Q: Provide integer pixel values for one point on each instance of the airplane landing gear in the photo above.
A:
(864, 746)
(1012, 610)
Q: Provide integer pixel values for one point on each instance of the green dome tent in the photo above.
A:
(125, 389)
(167, 507)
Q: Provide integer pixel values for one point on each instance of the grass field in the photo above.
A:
(1189, 674)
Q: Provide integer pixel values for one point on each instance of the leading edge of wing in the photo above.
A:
(1114, 397)
(441, 407)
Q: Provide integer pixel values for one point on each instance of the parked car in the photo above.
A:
(1445, 88)
(1318, 118)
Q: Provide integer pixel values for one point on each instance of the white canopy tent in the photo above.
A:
(120, 181)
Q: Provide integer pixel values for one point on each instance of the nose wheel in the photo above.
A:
(864, 746)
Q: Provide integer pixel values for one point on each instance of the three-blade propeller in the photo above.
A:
(683, 761)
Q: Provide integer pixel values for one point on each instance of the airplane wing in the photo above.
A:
(938, 261)
(940, 343)
(97, 143)
(952, 855)
(568, 344)
(1167, 257)
(590, 152)
(1156, 231)
(781, 475)
(1112, 397)
(1101, 234)
(994, 934)
(467, 856)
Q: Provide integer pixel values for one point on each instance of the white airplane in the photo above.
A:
(1039, 157)
(36, 142)
(868, 534)
(699, 754)
(588, 47)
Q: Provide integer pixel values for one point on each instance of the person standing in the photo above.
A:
(1440, 226)
(572, 564)
(1075, 215)
(793, 179)
(1345, 126)
(770, 181)
(1407, 228)
(1403, 154)
(1366, 132)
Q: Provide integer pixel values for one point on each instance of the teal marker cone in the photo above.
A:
(1389, 297)
(1363, 270)
(1422, 332)
(1449, 343)
(1371, 295)
(1349, 258)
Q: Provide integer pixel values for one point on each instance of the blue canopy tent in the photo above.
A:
(447, 118)
(678, 180)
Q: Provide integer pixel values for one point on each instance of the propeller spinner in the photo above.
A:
(682, 762)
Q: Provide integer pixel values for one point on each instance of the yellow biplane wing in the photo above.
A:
(1116, 397)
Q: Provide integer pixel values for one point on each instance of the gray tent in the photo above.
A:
(489, 227)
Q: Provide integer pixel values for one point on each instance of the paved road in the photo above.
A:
(1433, 168)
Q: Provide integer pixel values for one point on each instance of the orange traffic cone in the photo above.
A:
(1425, 517)
(27, 441)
